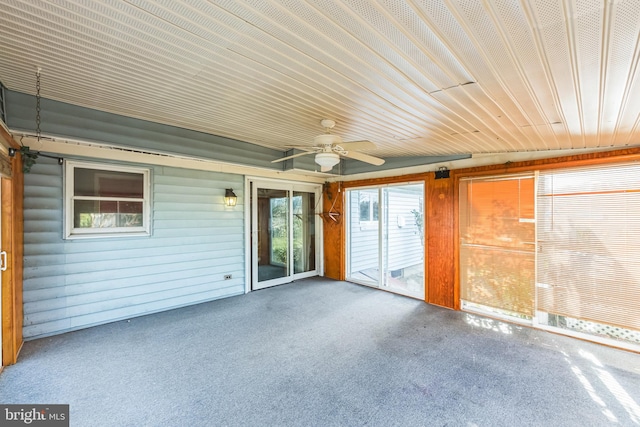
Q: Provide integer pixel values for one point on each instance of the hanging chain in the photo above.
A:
(38, 104)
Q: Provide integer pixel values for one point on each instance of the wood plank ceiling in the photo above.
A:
(416, 77)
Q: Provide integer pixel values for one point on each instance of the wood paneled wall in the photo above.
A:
(439, 263)
(441, 212)
(12, 243)
(440, 242)
(334, 232)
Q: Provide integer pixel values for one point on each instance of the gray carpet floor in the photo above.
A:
(323, 353)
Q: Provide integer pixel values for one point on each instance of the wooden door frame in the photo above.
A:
(12, 238)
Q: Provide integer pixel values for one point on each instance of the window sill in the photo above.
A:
(84, 236)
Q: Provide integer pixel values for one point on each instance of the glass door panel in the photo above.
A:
(304, 232)
(403, 255)
(272, 234)
(385, 238)
(363, 265)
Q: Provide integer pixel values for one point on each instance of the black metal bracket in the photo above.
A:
(13, 151)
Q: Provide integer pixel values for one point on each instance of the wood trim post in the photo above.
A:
(12, 237)
(440, 252)
(333, 231)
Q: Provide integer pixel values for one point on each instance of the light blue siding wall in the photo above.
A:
(364, 247)
(195, 241)
(404, 246)
(72, 121)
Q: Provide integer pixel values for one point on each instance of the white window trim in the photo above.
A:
(72, 233)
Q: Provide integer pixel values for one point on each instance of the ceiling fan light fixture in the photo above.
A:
(327, 160)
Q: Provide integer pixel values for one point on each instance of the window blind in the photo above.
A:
(589, 244)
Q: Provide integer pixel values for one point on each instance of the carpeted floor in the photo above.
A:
(324, 353)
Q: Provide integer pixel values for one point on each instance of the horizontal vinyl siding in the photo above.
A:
(72, 121)
(405, 248)
(364, 240)
(73, 284)
(364, 249)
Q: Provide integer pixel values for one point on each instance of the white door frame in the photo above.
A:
(251, 244)
(383, 237)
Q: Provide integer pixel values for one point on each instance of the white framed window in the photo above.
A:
(368, 208)
(104, 200)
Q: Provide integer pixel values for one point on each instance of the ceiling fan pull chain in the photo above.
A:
(38, 103)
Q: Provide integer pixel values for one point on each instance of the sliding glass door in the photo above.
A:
(558, 250)
(385, 238)
(284, 230)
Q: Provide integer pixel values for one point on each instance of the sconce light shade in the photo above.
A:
(230, 198)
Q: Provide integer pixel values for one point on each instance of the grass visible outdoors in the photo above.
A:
(279, 249)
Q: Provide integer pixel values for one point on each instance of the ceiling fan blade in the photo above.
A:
(292, 156)
(302, 147)
(363, 157)
(358, 145)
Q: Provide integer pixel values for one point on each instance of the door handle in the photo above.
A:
(3, 261)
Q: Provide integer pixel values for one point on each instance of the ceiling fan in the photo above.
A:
(329, 147)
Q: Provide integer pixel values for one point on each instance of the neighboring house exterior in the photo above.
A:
(403, 244)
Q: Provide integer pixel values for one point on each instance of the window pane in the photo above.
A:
(107, 214)
(374, 206)
(497, 245)
(102, 183)
(403, 239)
(279, 207)
(364, 206)
(588, 270)
(364, 244)
(304, 236)
(368, 200)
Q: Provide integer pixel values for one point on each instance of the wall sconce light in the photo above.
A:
(230, 198)
(442, 172)
(12, 152)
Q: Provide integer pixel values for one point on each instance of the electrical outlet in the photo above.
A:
(227, 276)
